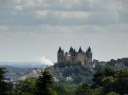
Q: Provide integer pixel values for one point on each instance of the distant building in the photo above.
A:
(8, 80)
(95, 62)
(56, 79)
(73, 56)
(68, 78)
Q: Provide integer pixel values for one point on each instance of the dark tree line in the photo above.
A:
(113, 62)
(5, 88)
(111, 81)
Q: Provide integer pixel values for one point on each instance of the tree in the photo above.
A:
(112, 93)
(61, 90)
(112, 62)
(25, 87)
(121, 81)
(4, 87)
(98, 68)
(83, 89)
(97, 91)
(44, 84)
(99, 76)
(108, 72)
(108, 84)
(112, 81)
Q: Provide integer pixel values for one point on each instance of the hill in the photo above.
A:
(23, 64)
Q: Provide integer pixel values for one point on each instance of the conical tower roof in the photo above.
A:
(59, 49)
(71, 49)
(89, 49)
(80, 50)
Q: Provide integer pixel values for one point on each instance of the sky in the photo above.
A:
(33, 30)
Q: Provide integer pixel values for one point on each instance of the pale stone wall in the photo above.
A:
(81, 57)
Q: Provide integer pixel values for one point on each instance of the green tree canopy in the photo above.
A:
(112, 93)
(25, 87)
(61, 90)
(83, 89)
(44, 84)
(112, 81)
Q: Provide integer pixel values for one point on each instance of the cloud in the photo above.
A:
(3, 28)
(44, 60)
(18, 8)
(62, 12)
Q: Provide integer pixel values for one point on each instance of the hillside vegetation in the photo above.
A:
(74, 71)
(101, 80)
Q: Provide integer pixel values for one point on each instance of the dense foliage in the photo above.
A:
(102, 80)
(79, 74)
(111, 81)
(44, 84)
(76, 71)
(118, 62)
(106, 82)
(26, 87)
(65, 64)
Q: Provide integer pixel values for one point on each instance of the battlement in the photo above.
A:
(74, 56)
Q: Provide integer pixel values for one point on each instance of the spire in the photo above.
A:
(89, 49)
(59, 49)
(80, 50)
(71, 49)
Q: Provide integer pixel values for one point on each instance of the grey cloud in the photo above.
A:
(101, 12)
(30, 19)
(123, 17)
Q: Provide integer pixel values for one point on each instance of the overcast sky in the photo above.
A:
(35, 29)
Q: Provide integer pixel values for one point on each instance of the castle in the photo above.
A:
(73, 56)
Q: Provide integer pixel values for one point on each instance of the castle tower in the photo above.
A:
(60, 55)
(71, 50)
(80, 50)
(70, 54)
(89, 57)
(89, 53)
(81, 56)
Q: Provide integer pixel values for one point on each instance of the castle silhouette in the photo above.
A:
(73, 56)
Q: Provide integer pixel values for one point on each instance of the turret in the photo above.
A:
(89, 53)
(71, 50)
(89, 57)
(89, 50)
(59, 49)
(80, 50)
(60, 55)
